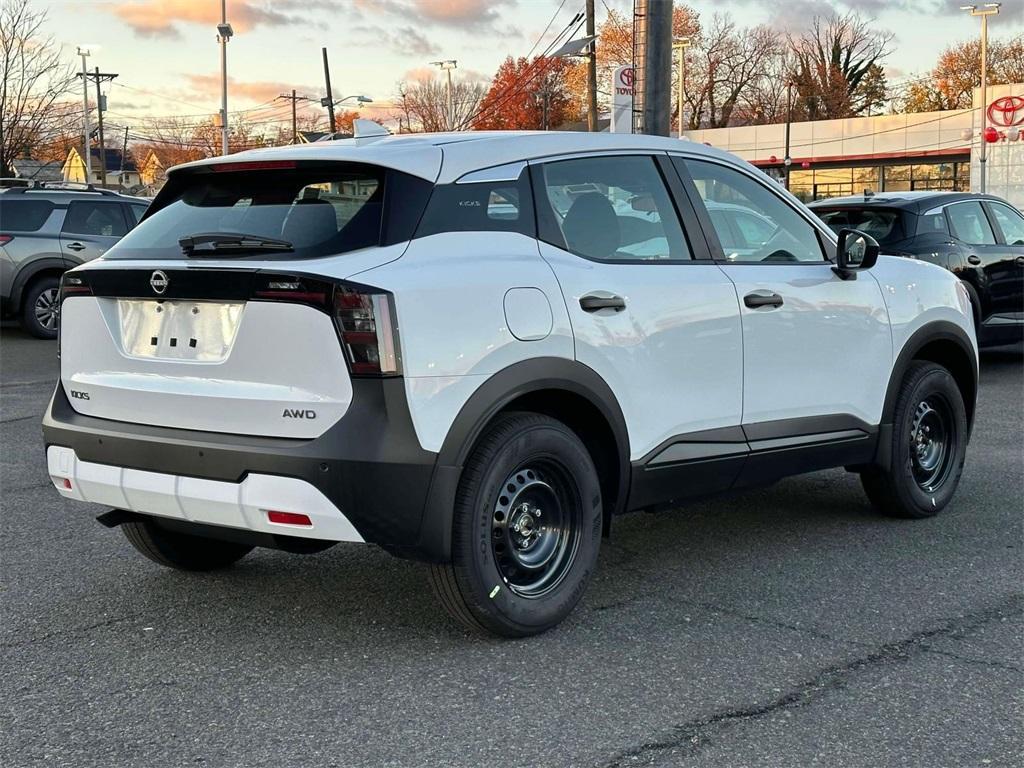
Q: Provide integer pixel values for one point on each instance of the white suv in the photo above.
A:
(475, 349)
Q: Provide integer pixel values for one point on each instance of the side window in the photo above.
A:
(1010, 221)
(24, 215)
(136, 211)
(969, 223)
(772, 231)
(932, 224)
(613, 208)
(86, 217)
(485, 206)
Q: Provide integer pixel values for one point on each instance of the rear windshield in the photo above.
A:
(883, 224)
(24, 215)
(318, 211)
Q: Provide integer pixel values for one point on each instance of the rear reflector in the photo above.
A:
(288, 518)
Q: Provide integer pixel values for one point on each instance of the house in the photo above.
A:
(121, 170)
(37, 170)
(153, 170)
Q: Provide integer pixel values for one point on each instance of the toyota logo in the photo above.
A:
(159, 281)
(1007, 111)
(626, 78)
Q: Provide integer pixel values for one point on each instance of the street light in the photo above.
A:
(85, 52)
(988, 9)
(447, 66)
(224, 34)
(787, 161)
(681, 44)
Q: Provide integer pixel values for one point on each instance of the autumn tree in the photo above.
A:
(951, 84)
(33, 83)
(525, 95)
(838, 66)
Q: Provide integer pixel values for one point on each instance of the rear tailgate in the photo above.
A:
(202, 355)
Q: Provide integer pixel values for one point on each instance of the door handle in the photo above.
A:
(591, 303)
(76, 247)
(755, 300)
(972, 259)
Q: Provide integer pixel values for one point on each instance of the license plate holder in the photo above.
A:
(187, 331)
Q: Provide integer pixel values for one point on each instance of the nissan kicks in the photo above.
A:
(475, 349)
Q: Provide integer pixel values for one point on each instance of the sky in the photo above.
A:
(168, 61)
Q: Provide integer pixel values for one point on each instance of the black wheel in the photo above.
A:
(527, 529)
(181, 551)
(40, 306)
(929, 441)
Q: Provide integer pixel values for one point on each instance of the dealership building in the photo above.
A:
(919, 151)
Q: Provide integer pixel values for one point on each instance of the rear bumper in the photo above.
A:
(367, 478)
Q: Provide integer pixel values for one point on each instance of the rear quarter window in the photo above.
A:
(24, 215)
(883, 224)
(497, 206)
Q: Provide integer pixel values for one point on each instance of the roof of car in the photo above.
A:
(916, 202)
(56, 194)
(445, 157)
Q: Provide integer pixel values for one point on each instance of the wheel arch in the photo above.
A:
(31, 272)
(561, 388)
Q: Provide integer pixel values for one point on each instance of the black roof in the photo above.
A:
(915, 202)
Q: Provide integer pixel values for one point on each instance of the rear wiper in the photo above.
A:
(222, 243)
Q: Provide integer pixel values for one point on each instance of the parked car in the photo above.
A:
(476, 349)
(980, 238)
(46, 230)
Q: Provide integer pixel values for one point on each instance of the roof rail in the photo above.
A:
(75, 186)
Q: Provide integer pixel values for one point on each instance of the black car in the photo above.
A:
(980, 238)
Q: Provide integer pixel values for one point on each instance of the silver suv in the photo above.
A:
(48, 229)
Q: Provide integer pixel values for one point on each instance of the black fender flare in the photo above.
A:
(941, 331)
(490, 398)
(28, 272)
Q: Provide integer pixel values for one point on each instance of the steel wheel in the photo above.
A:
(46, 308)
(535, 528)
(931, 435)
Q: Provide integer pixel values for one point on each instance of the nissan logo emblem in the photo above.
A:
(158, 281)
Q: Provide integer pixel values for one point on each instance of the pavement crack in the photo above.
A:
(693, 734)
(21, 418)
(74, 630)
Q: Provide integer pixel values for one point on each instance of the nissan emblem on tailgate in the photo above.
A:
(158, 281)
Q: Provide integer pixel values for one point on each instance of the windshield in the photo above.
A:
(885, 225)
(317, 211)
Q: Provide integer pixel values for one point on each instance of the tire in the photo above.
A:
(39, 308)
(180, 550)
(515, 572)
(929, 443)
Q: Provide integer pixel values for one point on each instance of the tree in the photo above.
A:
(951, 84)
(833, 59)
(33, 82)
(425, 103)
(525, 95)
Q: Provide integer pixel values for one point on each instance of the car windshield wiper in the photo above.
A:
(223, 243)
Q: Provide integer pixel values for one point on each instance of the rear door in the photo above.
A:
(1009, 226)
(1000, 281)
(650, 312)
(816, 349)
(90, 228)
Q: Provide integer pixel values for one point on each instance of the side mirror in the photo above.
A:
(854, 252)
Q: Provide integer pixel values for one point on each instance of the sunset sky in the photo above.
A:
(168, 60)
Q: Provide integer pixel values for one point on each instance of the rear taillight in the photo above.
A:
(364, 317)
(5, 239)
(73, 285)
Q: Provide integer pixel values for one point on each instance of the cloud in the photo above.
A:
(475, 15)
(163, 18)
(406, 40)
(259, 91)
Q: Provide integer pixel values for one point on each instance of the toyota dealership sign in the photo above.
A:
(622, 100)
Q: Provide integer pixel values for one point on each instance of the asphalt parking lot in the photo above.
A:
(790, 626)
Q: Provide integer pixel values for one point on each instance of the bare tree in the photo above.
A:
(833, 60)
(425, 103)
(33, 82)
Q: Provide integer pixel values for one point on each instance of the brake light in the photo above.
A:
(5, 239)
(256, 165)
(73, 285)
(366, 321)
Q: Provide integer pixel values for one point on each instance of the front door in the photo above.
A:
(90, 228)
(817, 349)
(1009, 229)
(659, 323)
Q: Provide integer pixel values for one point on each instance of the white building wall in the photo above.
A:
(1005, 158)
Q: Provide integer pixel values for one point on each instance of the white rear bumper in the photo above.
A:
(213, 502)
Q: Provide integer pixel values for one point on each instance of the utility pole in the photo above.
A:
(98, 77)
(224, 34)
(328, 101)
(989, 9)
(295, 120)
(124, 151)
(657, 68)
(86, 131)
(591, 71)
(681, 45)
(787, 161)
